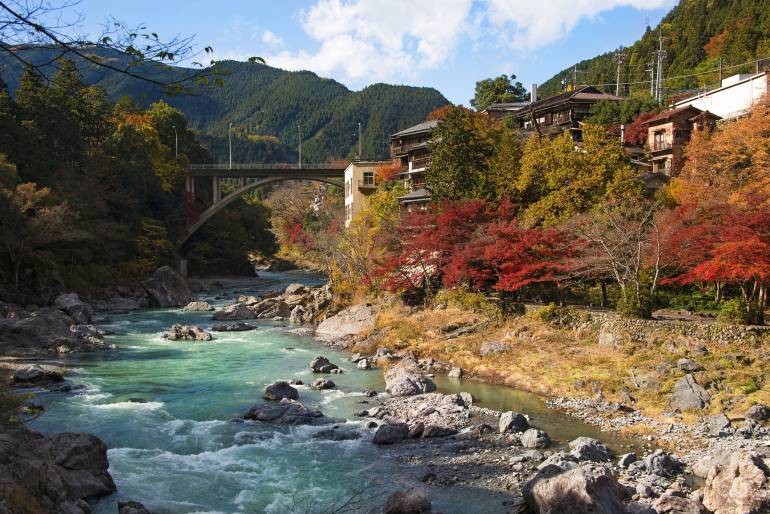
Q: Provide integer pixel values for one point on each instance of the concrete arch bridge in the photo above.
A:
(250, 177)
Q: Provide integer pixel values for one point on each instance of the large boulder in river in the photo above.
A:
(131, 507)
(279, 390)
(391, 434)
(286, 413)
(37, 374)
(53, 473)
(322, 365)
(688, 394)
(187, 333)
(198, 306)
(347, 323)
(588, 488)
(238, 326)
(401, 381)
(167, 288)
(78, 310)
(42, 332)
(272, 308)
(738, 484)
(235, 311)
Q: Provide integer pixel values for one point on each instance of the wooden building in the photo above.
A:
(409, 149)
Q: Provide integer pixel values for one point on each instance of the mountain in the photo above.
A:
(696, 34)
(266, 106)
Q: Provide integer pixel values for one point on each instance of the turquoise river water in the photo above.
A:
(164, 410)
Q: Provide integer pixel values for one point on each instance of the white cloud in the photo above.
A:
(271, 40)
(370, 40)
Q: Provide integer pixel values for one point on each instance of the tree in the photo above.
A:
(29, 222)
(459, 150)
(498, 90)
(612, 112)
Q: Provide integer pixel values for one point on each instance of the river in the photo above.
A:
(164, 410)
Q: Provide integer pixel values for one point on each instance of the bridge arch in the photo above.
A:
(224, 202)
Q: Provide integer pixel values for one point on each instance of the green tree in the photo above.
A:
(611, 112)
(496, 90)
(460, 149)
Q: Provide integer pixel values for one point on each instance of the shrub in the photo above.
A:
(630, 306)
(560, 316)
(471, 301)
(742, 313)
(10, 406)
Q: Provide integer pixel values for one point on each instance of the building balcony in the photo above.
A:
(661, 146)
(419, 164)
(367, 185)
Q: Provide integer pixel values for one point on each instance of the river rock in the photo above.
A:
(233, 327)
(588, 488)
(130, 507)
(626, 459)
(323, 383)
(235, 311)
(671, 503)
(534, 438)
(493, 347)
(758, 412)
(270, 308)
(78, 310)
(587, 448)
(295, 289)
(337, 433)
(41, 332)
(739, 485)
(347, 323)
(322, 365)
(300, 315)
(51, 473)
(662, 464)
(187, 333)
(413, 501)
(716, 424)
(37, 374)
(279, 390)
(512, 422)
(688, 365)
(455, 372)
(400, 381)
(198, 306)
(167, 288)
(431, 431)
(391, 433)
(688, 394)
(285, 413)
(363, 364)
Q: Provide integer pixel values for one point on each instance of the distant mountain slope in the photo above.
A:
(698, 33)
(264, 101)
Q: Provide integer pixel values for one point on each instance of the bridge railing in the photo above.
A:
(275, 166)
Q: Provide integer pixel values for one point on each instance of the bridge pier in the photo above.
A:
(215, 192)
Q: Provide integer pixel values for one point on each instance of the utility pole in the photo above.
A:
(661, 55)
(720, 71)
(176, 142)
(651, 71)
(299, 137)
(230, 142)
(574, 77)
(620, 58)
(359, 141)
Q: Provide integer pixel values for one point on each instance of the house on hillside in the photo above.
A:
(360, 182)
(669, 132)
(734, 98)
(499, 111)
(556, 114)
(409, 149)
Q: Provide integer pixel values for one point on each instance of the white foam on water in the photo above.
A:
(130, 405)
(92, 397)
(330, 396)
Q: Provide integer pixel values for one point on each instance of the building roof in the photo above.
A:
(415, 196)
(425, 126)
(585, 93)
(727, 83)
(671, 113)
(506, 106)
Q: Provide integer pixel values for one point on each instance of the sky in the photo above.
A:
(445, 44)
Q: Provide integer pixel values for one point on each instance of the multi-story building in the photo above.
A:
(360, 182)
(562, 112)
(734, 98)
(409, 149)
(669, 132)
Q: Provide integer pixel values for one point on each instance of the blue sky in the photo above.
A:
(446, 44)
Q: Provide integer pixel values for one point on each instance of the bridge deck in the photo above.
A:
(264, 170)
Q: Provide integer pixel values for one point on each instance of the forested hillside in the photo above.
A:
(696, 34)
(268, 107)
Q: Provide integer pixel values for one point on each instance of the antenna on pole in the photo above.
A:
(359, 140)
(619, 58)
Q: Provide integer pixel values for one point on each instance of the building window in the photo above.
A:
(368, 178)
(659, 139)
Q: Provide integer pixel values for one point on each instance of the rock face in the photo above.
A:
(688, 394)
(235, 311)
(187, 333)
(400, 381)
(167, 288)
(78, 310)
(233, 327)
(588, 488)
(347, 323)
(285, 413)
(43, 332)
(37, 374)
(738, 486)
(53, 473)
(413, 501)
(586, 448)
(512, 422)
(198, 306)
(391, 434)
(279, 390)
(322, 365)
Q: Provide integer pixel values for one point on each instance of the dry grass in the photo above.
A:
(552, 360)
